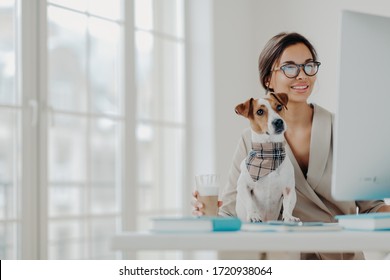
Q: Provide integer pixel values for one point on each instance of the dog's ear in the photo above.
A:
(281, 97)
(245, 109)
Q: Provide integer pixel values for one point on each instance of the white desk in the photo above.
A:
(338, 241)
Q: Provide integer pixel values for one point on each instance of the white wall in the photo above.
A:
(235, 73)
(200, 87)
(240, 30)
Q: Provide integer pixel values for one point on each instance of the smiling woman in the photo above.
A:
(288, 64)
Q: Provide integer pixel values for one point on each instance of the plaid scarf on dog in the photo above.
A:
(264, 158)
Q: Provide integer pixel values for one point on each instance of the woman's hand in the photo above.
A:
(197, 205)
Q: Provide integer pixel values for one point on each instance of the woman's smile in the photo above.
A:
(300, 88)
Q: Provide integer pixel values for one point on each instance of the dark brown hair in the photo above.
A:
(274, 49)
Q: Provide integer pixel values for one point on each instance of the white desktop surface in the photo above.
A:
(336, 241)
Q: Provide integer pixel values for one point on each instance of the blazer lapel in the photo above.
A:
(319, 151)
(321, 137)
(301, 184)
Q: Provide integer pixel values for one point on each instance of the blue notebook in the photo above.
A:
(195, 224)
(370, 221)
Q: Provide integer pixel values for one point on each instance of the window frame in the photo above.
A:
(32, 78)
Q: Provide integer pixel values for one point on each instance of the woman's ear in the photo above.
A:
(268, 84)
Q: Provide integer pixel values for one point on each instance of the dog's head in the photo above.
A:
(265, 114)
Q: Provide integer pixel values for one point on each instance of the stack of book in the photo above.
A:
(195, 224)
(370, 221)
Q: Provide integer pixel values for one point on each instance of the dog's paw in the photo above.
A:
(290, 218)
(254, 217)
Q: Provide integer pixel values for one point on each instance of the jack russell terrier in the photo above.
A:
(267, 178)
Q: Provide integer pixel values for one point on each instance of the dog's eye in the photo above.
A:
(279, 108)
(260, 112)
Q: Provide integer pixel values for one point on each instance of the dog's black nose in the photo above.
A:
(278, 125)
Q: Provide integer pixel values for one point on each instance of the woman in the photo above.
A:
(289, 64)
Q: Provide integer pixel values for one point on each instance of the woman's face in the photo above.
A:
(300, 87)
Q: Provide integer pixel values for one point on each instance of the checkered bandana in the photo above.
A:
(264, 158)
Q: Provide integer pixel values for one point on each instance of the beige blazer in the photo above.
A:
(314, 200)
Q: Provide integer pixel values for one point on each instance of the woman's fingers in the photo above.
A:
(197, 205)
(195, 194)
(197, 213)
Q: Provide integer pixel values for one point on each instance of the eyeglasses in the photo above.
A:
(292, 70)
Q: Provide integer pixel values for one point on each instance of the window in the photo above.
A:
(81, 113)
(161, 124)
(85, 127)
(10, 134)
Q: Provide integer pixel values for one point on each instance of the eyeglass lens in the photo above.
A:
(292, 70)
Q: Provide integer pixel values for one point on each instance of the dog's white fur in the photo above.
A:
(262, 200)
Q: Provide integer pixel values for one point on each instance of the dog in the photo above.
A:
(266, 181)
